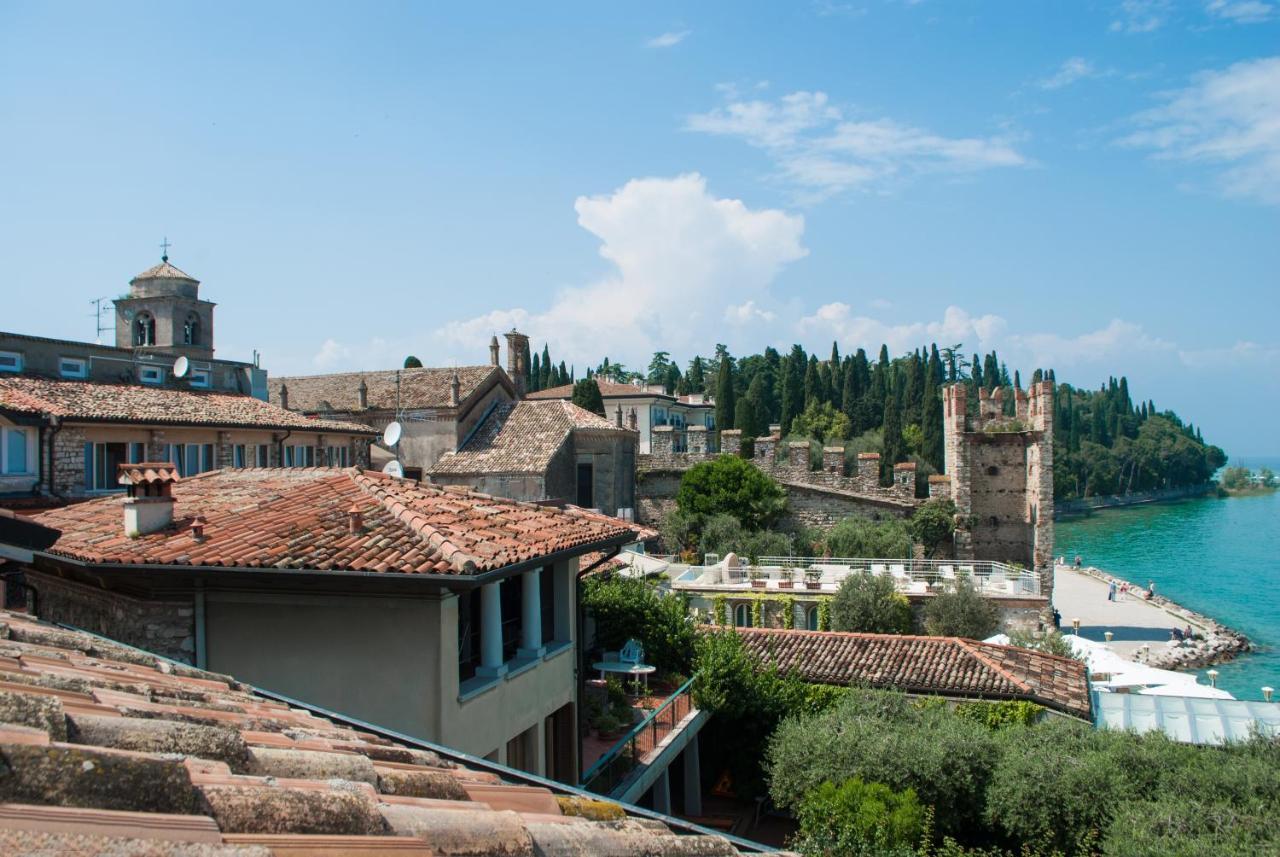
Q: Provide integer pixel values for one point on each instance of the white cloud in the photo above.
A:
(1141, 16)
(1240, 11)
(747, 313)
(823, 152)
(668, 40)
(1118, 339)
(678, 254)
(1242, 354)
(839, 321)
(1229, 119)
(1072, 70)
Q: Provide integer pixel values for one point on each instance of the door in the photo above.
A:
(586, 479)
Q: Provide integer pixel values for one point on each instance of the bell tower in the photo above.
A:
(163, 313)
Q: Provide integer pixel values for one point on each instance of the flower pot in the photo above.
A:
(758, 584)
(786, 584)
(813, 584)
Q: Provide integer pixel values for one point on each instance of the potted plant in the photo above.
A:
(758, 580)
(813, 578)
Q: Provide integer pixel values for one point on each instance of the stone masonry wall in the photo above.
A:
(67, 474)
(164, 627)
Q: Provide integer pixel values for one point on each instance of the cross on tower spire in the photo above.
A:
(164, 249)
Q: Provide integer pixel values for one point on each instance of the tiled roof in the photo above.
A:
(521, 437)
(164, 271)
(136, 403)
(607, 388)
(105, 749)
(945, 666)
(419, 388)
(299, 519)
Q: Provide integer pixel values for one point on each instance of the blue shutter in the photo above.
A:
(88, 467)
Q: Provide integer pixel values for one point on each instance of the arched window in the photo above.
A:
(191, 330)
(993, 471)
(811, 618)
(144, 329)
(742, 616)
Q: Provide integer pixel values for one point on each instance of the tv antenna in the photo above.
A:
(97, 319)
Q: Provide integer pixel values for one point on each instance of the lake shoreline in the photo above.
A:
(1219, 643)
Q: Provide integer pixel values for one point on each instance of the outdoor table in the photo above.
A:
(636, 671)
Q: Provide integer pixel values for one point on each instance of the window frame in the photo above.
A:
(16, 364)
(201, 379)
(81, 374)
(28, 450)
(153, 375)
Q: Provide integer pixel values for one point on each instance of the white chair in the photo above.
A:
(898, 570)
(948, 572)
(877, 569)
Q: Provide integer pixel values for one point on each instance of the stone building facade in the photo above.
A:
(1000, 473)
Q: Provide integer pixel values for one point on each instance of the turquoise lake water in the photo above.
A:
(1219, 557)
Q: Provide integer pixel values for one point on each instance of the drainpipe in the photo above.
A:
(55, 426)
(280, 446)
(202, 661)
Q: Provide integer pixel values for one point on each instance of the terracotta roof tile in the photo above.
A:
(136, 403)
(522, 437)
(946, 666)
(177, 791)
(299, 519)
(340, 392)
(164, 271)
(607, 388)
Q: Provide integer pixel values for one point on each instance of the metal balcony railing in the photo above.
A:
(623, 757)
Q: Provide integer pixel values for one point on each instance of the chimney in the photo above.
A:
(197, 528)
(149, 506)
(284, 396)
(493, 351)
(455, 389)
(363, 395)
(619, 416)
(631, 419)
(517, 345)
(355, 520)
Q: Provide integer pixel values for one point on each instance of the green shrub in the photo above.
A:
(863, 537)
(679, 530)
(870, 603)
(934, 523)
(962, 612)
(997, 715)
(857, 818)
(721, 534)
(1050, 642)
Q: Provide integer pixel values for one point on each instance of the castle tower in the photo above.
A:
(163, 314)
(1002, 478)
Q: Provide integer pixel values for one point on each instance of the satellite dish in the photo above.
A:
(180, 367)
(391, 434)
(393, 468)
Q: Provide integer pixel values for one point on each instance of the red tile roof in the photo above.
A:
(164, 270)
(522, 437)
(340, 392)
(91, 401)
(299, 519)
(944, 666)
(107, 749)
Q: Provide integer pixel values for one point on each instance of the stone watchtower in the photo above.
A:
(163, 313)
(1001, 473)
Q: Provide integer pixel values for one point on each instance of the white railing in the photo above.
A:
(823, 574)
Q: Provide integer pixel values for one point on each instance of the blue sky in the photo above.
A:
(1092, 186)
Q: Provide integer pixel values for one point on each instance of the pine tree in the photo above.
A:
(697, 381)
(726, 408)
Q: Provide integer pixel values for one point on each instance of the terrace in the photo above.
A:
(824, 575)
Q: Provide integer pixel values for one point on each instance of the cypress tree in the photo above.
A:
(528, 365)
(812, 386)
(696, 379)
(535, 376)
(931, 415)
(837, 378)
(976, 375)
(563, 375)
(880, 383)
(586, 395)
(825, 393)
(756, 397)
(850, 397)
(793, 372)
(546, 368)
(726, 409)
(893, 451)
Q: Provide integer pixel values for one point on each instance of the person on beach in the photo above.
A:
(1057, 618)
(1151, 589)
(1111, 591)
(1077, 560)
(1189, 633)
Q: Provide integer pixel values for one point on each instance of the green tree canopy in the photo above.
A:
(412, 362)
(865, 538)
(586, 395)
(728, 484)
(870, 603)
(961, 612)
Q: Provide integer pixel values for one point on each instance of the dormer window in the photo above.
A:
(144, 329)
(191, 330)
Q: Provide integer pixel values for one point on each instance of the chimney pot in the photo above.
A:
(363, 394)
(197, 527)
(355, 520)
(284, 396)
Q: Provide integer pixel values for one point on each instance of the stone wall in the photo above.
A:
(656, 495)
(817, 506)
(163, 627)
(67, 474)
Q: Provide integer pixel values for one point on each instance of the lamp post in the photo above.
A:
(1146, 652)
(1266, 693)
(1075, 626)
(1107, 635)
(1213, 678)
